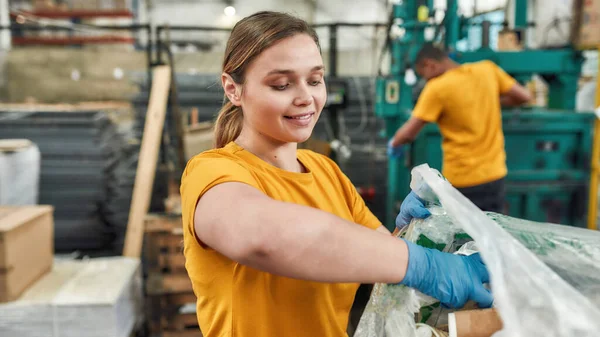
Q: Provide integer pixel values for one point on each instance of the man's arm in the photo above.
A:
(511, 92)
(427, 110)
(515, 96)
(408, 132)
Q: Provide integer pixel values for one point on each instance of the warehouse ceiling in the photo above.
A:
(211, 12)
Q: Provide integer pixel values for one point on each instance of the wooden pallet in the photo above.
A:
(168, 286)
(168, 318)
(186, 333)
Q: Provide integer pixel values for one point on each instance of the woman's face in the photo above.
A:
(284, 91)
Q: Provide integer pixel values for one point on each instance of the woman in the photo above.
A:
(277, 239)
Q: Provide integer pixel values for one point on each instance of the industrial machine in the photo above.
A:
(548, 149)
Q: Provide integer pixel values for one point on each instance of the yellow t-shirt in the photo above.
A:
(236, 300)
(465, 102)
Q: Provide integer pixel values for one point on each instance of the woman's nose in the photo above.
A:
(303, 96)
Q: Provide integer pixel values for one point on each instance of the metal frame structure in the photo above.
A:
(559, 67)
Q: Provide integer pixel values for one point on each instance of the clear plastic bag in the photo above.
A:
(545, 278)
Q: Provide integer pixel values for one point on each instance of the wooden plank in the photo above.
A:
(182, 322)
(172, 262)
(78, 13)
(163, 223)
(10, 145)
(186, 333)
(194, 116)
(163, 252)
(179, 299)
(76, 107)
(169, 304)
(63, 41)
(159, 284)
(173, 204)
(148, 157)
(169, 243)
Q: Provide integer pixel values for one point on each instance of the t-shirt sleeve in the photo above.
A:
(204, 172)
(429, 106)
(361, 214)
(505, 81)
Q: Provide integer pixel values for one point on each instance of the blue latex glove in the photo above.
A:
(451, 279)
(395, 152)
(412, 207)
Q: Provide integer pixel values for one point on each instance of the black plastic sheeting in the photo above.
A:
(87, 174)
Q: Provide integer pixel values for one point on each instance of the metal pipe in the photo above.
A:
(350, 24)
(333, 116)
(333, 50)
(134, 27)
(521, 14)
(451, 24)
(485, 34)
(199, 28)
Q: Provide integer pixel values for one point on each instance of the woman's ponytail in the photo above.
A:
(228, 124)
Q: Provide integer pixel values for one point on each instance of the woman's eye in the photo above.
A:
(315, 83)
(280, 87)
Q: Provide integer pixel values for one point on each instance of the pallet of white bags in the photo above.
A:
(96, 297)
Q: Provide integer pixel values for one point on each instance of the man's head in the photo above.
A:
(431, 61)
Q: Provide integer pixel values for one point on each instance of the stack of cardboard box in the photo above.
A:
(26, 248)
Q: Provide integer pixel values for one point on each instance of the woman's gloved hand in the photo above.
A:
(451, 279)
(412, 207)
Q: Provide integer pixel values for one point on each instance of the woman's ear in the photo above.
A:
(232, 89)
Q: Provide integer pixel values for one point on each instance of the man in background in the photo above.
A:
(465, 100)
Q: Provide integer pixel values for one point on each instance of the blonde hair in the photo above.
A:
(249, 37)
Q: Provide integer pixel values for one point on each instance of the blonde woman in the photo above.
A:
(277, 240)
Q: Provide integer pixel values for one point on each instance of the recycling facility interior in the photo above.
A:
(89, 184)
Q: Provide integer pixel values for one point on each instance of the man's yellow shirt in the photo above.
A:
(465, 103)
(235, 300)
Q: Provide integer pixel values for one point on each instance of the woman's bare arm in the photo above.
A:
(295, 241)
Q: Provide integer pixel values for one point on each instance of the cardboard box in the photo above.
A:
(585, 32)
(198, 138)
(26, 247)
(508, 40)
(316, 145)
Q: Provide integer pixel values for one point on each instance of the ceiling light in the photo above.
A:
(229, 11)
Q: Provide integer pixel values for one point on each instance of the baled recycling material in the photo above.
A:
(99, 297)
(545, 278)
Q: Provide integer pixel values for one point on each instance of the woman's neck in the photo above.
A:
(281, 155)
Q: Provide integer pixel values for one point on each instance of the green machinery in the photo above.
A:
(548, 149)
